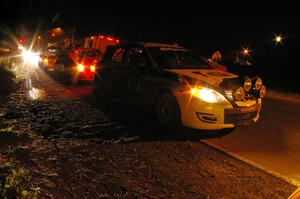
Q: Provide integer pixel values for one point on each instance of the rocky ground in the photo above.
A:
(72, 149)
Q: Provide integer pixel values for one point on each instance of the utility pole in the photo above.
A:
(73, 36)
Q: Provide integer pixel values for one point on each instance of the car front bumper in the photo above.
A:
(200, 115)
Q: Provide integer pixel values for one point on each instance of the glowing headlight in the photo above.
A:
(258, 84)
(92, 68)
(262, 91)
(30, 57)
(247, 85)
(239, 94)
(207, 95)
(80, 68)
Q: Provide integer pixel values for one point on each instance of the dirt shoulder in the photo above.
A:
(74, 150)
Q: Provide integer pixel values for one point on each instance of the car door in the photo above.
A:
(139, 76)
(109, 71)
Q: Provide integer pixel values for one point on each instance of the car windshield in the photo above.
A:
(88, 54)
(177, 58)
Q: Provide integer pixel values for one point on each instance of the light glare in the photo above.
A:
(80, 68)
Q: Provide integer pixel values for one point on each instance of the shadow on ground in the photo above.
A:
(143, 124)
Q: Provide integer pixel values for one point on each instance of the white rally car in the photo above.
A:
(178, 86)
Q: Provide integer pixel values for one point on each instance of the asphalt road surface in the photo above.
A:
(274, 142)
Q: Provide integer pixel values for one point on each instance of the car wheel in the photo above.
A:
(167, 111)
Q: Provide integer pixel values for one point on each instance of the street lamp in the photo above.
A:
(245, 51)
(39, 38)
(278, 39)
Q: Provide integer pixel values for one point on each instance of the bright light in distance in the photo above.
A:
(21, 47)
(246, 51)
(278, 39)
(80, 68)
(109, 38)
(30, 57)
(207, 95)
(93, 68)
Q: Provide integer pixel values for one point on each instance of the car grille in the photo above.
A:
(240, 116)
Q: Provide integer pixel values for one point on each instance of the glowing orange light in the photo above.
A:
(21, 41)
(246, 51)
(278, 39)
(53, 34)
(109, 38)
(93, 68)
(101, 37)
(118, 41)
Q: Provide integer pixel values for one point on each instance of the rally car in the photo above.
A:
(178, 86)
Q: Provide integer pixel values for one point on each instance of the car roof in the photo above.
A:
(151, 44)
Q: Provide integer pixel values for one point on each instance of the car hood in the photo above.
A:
(209, 76)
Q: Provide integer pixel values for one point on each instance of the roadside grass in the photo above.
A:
(15, 182)
(7, 78)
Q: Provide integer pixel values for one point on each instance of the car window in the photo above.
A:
(137, 56)
(176, 58)
(87, 53)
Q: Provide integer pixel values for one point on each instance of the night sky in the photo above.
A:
(186, 21)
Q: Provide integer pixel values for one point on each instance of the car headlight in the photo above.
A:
(262, 91)
(247, 85)
(92, 68)
(207, 95)
(80, 68)
(258, 84)
(30, 57)
(239, 94)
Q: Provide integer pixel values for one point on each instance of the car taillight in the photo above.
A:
(80, 68)
(93, 68)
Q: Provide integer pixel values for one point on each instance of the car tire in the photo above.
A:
(167, 111)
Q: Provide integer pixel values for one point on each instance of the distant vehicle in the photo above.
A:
(49, 56)
(100, 42)
(76, 64)
(178, 86)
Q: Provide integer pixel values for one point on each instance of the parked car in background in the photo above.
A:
(49, 56)
(178, 86)
(77, 64)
